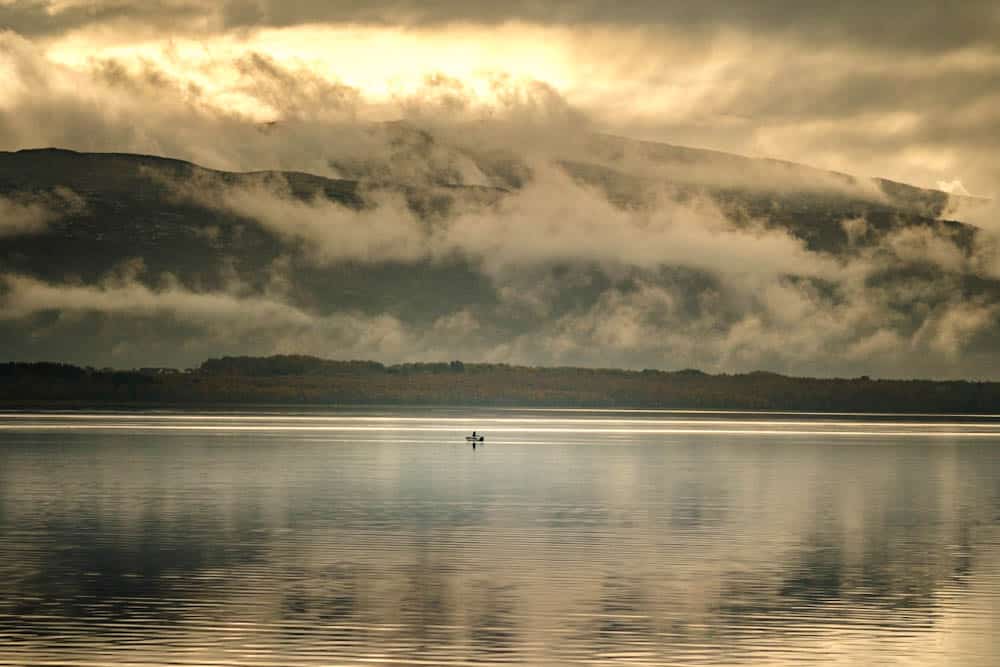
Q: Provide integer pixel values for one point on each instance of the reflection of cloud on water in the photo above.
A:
(622, 619)
(491, 619)
(650, 549)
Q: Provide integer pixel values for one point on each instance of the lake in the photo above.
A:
(361, 537)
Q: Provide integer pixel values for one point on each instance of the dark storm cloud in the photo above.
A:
(35, 18)
(931, 26)
(908, 25)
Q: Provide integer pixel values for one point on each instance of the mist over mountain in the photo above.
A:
(493, 242)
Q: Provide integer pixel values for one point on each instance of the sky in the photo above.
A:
(503, 95)
(903, 90)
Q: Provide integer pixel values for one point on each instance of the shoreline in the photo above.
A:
(306, 383)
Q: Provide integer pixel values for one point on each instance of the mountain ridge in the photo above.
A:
(502, 271)
(690, 153)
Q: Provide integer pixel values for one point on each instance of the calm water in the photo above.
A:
(359, 538)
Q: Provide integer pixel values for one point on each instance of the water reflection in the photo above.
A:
(645, 546)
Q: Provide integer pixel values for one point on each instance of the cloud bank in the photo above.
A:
(28, 214)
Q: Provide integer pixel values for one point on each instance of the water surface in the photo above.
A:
(570, 537)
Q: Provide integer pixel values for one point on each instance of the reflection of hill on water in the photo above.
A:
(801, 539)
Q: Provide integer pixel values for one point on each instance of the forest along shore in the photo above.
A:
(308, 380)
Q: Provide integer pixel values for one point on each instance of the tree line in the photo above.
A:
(296, 379)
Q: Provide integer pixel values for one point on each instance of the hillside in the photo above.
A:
(141, 260)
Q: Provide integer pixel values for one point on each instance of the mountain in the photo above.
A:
(118, 259)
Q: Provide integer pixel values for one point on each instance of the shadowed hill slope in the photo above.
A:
(141, 260)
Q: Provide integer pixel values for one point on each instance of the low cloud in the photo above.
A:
(382, 230)
(31, 214)
(552, 220)
(913, 245)
(954, 187)
(785, 327)
(557, 220)
(219, 317)
(895, 308)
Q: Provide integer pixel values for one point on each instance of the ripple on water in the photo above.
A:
(569, 538)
